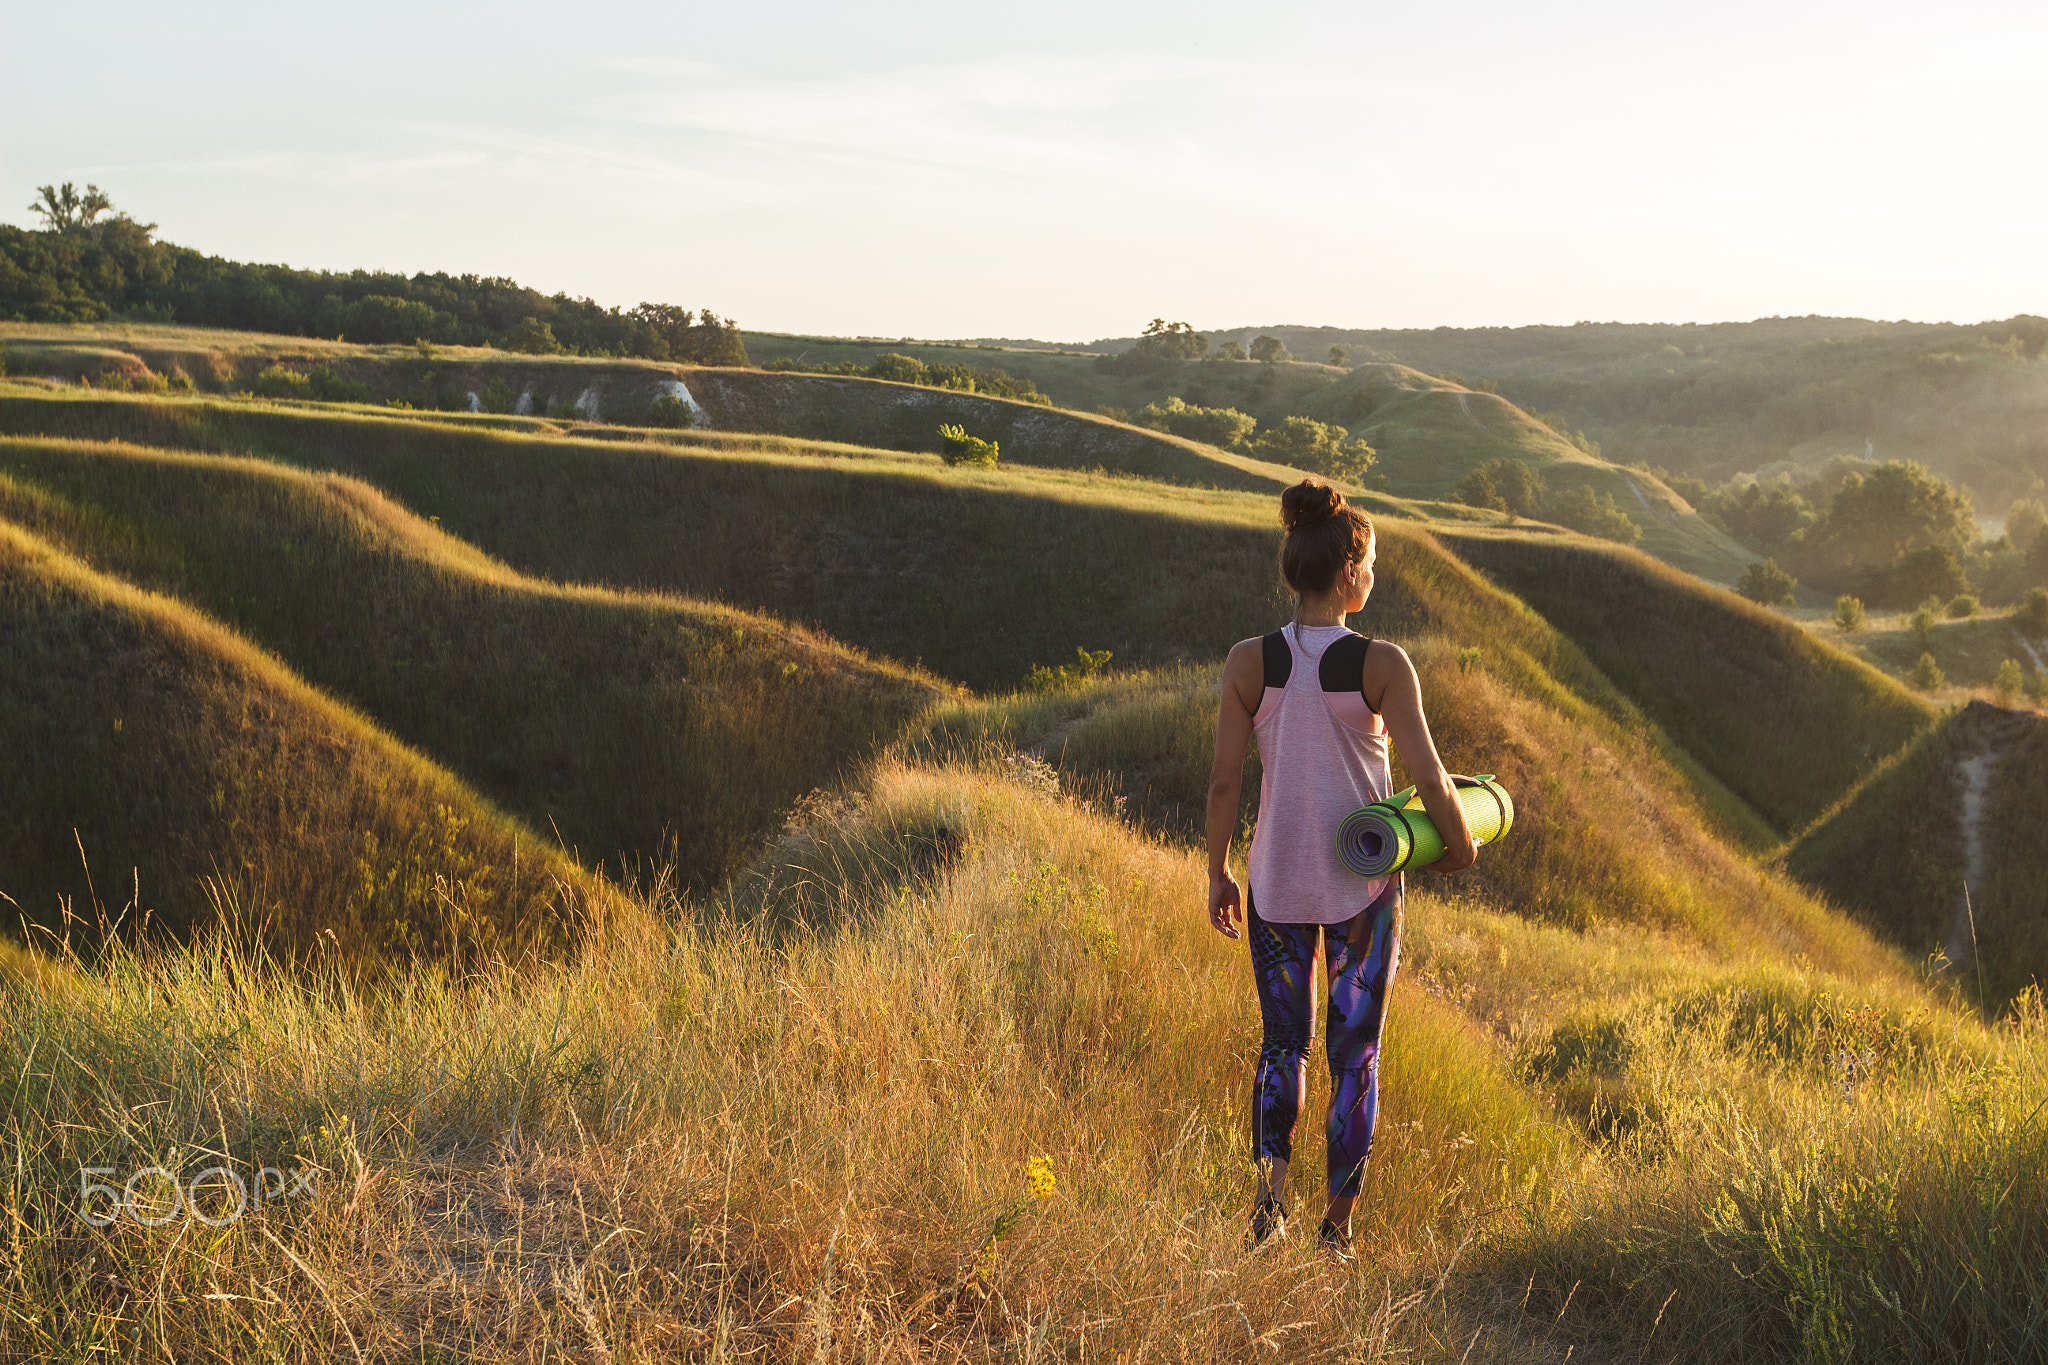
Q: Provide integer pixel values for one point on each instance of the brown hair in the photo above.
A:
(1324, 533)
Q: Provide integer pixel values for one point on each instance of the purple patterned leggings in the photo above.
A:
(1362, 953)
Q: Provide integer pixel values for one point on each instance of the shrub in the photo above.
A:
(1595, 514)
(1922, 624)
(1269, 349)
(1163, 340)
(2006, 686)
(1849, 614)
(1962, 607)
(1503, 486)
(1767, 584)
(2033, 613)
(1932, 571)
(1067, 676)
(669, 410)
(498, 396)
(960, 448)
(1224, 427)
(1926, 674)
(901, 369)
(329, 387)
(1114, 414)
(278, 382)
(2036, 686)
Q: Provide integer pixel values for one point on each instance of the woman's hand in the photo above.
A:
(1226, 907)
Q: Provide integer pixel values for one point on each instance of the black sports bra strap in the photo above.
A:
(1279, 659)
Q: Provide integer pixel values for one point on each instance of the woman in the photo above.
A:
(1322, 701)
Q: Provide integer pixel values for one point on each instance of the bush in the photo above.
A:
(1924, 618)
(2006, 686)
(1962, 607)
(1932, 571)
(1269, 349)
(1767, 584)
(1926, 674)
(1477, 490)
(329, 387)
(278, 382)
(899, 369)
(1224, 427)
(669, 410)
(2033, 613)
(1849, 614)
(530, 336)
(1067, 676)
(960, 448)
(498, 396)
(1595, 514)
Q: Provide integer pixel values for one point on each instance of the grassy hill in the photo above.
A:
(637, 729)
(1785, 720)
(1713, 399)
(1430, 432)
(159, 765)
(794, 1113)
(1964, 804)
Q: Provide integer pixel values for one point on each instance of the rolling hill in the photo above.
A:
(162, 767)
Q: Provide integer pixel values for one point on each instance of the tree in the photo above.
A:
(1299, 441)
(1963, 607)
(1230, 350)
(2008, 682)
(1927, 674)
(1163, 340)
(1766, 584)
(1269, 349)
(1477, 489)
(1849, 614)
(1930, 571)
(1519, 487)
(2032, 616)
(1224, 427)
(1879, 517)
(1595, 514)
(2023, 522)
(65, 210)
(1338, 355)
(531, 337)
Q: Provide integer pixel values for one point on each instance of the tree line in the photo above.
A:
(89, 262)
(1892, 535)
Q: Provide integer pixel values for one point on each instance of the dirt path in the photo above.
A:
(1976, 773)
(1465, 406)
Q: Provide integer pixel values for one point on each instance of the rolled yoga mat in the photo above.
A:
(1387, 836)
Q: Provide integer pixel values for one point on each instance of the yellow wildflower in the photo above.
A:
(1038, 1175)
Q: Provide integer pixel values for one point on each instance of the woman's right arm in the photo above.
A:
(1244, 675)
(1390, 675)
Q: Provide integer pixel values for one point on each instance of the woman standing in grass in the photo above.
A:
(1322, 701)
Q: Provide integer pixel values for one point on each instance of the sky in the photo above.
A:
(1069, 171)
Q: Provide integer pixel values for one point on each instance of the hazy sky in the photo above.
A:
(1069, 170)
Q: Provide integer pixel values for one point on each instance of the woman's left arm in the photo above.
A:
(1389, 671)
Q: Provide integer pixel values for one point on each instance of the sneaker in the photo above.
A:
(1333, 1241)
(1269, 1220)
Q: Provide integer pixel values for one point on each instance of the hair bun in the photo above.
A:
(1308, 504)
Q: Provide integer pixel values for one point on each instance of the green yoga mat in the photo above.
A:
(1387, 836)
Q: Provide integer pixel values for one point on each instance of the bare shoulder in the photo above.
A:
(1244, 671)
(1387, 667)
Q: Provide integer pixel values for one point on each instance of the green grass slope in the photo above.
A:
(158, 764)
(638, 729)
(974, 573)
(1964, 804)
(583, 390)
(1788, 722)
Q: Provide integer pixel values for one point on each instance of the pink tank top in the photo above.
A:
(1323, 750)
